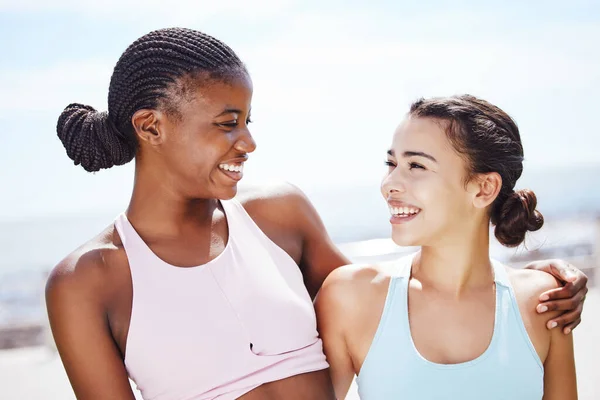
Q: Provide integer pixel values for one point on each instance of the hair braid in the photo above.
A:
(140, 80)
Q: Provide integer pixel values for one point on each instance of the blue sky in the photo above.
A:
(331, 82)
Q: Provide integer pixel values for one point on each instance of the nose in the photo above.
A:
(393, 182)
(245, 142)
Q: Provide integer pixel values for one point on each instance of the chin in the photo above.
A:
(405, 238)
(226, 193)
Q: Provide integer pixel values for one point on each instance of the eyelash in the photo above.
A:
(411, 165)
(235, 124)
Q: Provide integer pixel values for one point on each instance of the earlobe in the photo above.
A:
(488, 187)
(146, 124)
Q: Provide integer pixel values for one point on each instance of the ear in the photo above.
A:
(147, 125)
(485, 188)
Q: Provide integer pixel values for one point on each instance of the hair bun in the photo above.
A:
(517, 216)
(91, 138)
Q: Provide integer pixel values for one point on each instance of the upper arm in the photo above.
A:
(333, 307)
(559, 368)
(80, 328)
(283, 211)
(554, 348)
(320, 256)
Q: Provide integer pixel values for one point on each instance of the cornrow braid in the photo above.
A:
(140, 80)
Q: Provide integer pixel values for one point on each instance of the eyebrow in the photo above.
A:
(414, 154)
(229, 110)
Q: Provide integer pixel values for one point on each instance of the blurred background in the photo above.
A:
(331, 82)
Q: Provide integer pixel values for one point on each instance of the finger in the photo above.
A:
(564, 292)
(581, 280)
(563, 305)
(564, 271)
(565, 319)
(569, 328)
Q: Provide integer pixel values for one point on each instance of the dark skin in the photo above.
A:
(175, 210)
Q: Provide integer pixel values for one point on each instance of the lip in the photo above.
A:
(237, 160)
(233, 175)
(396, 219)
(399, 203)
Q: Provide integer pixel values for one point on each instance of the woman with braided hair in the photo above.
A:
(194, 292)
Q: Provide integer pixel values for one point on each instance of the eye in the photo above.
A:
(230, 124)
(249, 120)
(389, 164)
(414, 165)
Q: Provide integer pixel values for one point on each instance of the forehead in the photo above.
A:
(422, 134)
(216, 95)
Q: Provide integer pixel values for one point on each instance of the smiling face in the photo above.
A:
(425, 185)
(205, 141)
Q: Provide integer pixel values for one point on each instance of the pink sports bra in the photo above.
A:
(218, 330)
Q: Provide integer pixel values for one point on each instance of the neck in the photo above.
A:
(458, 265)
(156, 206)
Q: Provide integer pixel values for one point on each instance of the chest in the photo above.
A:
(447, 330)
(264, 280)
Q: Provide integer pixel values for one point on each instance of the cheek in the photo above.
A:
(439, 200)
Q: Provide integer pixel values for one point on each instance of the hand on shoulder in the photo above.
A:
(528, 285)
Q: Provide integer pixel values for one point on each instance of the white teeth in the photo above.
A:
(403, 211)
(232, 167)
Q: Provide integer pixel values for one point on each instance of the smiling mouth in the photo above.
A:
(234, 171)
(232, 167)
(404, 212)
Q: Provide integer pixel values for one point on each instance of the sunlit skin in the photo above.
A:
(179, 177)
(445, 211)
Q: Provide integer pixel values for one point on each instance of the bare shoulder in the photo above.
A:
(277, 199)
(529, 284)
(357, 276)
(352, 286)
(88, 269)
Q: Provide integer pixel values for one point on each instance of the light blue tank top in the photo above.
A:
(393, 368)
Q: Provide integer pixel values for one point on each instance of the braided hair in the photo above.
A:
(142, 79)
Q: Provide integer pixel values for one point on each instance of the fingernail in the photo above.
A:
(544, 297)
(553, 324)
(542, 309)
(567, 331)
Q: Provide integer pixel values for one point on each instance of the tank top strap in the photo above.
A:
(132, 242)
(243, 230)
(235, 214)
(500, 274)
